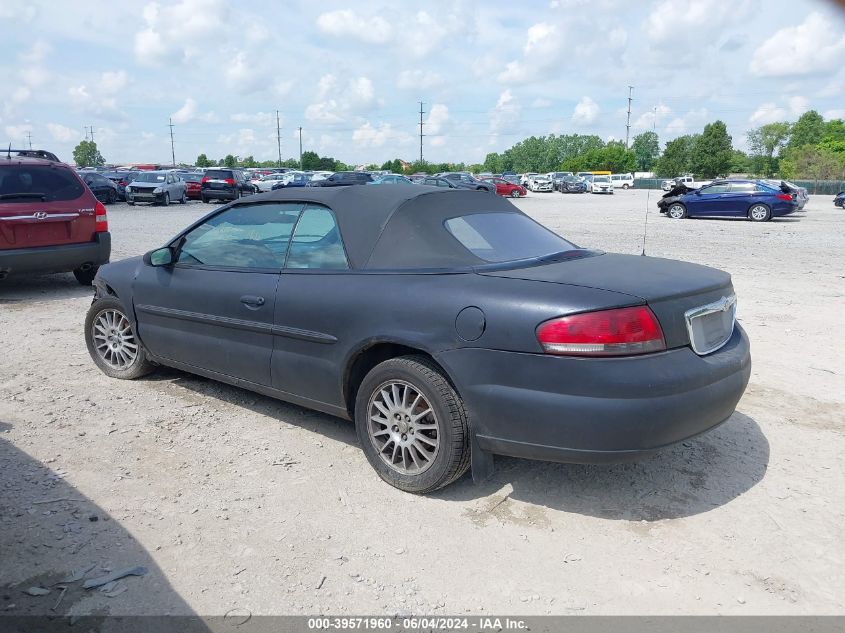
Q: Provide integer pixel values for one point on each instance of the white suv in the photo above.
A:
(622, 181)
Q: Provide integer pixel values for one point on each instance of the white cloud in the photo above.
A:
(586, 111)
(186, 113)
(242, 75)
(419, 80)
(337, 101)
(771, 112)
(181, 31)
(542, 51)
(504, 115)
(438, 118)
(694, 20)
(347, 23)
(692, 121)
(17, 132)
(647, 119)
(113, 82)
(430, 32)
(369, 136)
(257, 118)
(836, 113)
(540, 102)
(814, 47)
(62, 134)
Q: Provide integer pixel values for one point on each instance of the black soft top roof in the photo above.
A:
(393, 226)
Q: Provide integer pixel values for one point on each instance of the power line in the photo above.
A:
(172, 146)
(279, 138)
(628, 124)
(421, 131)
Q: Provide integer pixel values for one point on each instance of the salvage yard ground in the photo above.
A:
(236, 501)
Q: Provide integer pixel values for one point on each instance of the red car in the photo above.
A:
(505, 188)
(194, 187)
(50, 222)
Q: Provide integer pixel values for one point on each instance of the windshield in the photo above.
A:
(601, 179)
(149, 176)
(503, 237)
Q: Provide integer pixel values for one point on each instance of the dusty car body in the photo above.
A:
(156, 187)
(446, 323)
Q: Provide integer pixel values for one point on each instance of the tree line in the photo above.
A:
(810, 148)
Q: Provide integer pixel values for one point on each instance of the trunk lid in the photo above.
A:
(669, 287)
(63, 215)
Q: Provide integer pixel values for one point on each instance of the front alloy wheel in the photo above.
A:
(515, 193)
(677, 211)
(112, 343)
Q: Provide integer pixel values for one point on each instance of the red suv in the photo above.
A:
(50, 222)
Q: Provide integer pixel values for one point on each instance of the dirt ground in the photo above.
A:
(231, 500)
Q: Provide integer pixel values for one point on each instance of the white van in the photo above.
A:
(622, 181)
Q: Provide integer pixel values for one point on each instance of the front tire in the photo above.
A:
(760, 213)
(112, 343)
(677, 211)
(166, 200)
(515, 193)
(184, 198)
(412, 425)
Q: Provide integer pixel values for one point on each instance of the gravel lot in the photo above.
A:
(236, 501)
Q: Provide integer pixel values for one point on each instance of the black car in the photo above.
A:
(342, 179)
(437, 181)
(448, 325)
(571, 184)
(467, 181)
(839, 200)
(105, 190)
(225, 184)
(121, 179)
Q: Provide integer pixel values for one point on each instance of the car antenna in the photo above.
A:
(648, 191)
(9, 152)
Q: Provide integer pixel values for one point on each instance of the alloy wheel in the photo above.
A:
(759, 212)
(114, 340)
(403, 427)
(676, 211)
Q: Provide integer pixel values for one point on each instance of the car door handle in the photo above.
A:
(252, 301)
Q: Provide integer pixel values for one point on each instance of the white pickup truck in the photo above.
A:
(688, 181)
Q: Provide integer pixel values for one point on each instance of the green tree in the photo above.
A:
(249, 161)
(310, 160)
(807, 130)
(86, 154)
(814, 163)
(202, 161)
(677, 157)
(646, 148)
(740, 164)
(764, 142)
(230, 161)
(712, 151)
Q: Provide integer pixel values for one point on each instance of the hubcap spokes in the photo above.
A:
(758, 213)
(114, 340)
(403, 428)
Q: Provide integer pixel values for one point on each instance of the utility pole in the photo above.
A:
(89, 128)
(421, 131)
(29, 139)
(279, 137)
(300, 148)
(172, 146)
(628, 124)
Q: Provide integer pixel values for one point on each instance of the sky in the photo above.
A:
(352, 74)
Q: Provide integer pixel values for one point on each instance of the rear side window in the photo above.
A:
(218, 174)
(24, 183)
(743, 187)
(502, 237)
(316, 241)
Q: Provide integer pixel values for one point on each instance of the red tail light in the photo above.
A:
(101, 220)
(783, 196)
(123, 183)
(230, 182)
(620, 332)
(204, 179)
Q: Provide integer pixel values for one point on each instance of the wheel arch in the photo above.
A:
(372, 353)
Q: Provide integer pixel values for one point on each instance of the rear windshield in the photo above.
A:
(148, 176)
(218, 174)
(25, 183)
(503, 237)
(191, 177)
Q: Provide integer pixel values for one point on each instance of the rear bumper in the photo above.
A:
(56, 259)
(218, 194)
(596, 410)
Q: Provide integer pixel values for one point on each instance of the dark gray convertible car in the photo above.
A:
(447, 324)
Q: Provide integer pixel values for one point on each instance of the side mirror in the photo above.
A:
(160, 257)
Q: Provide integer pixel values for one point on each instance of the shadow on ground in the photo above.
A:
(683, 480)
(53, 539)
(20, 290)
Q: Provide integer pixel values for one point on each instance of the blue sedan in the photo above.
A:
(756, 200)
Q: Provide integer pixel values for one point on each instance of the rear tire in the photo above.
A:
(85, 277)
(129, 364)
(676, 211)
(445, 423)
(625, 186)
(760, 213)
